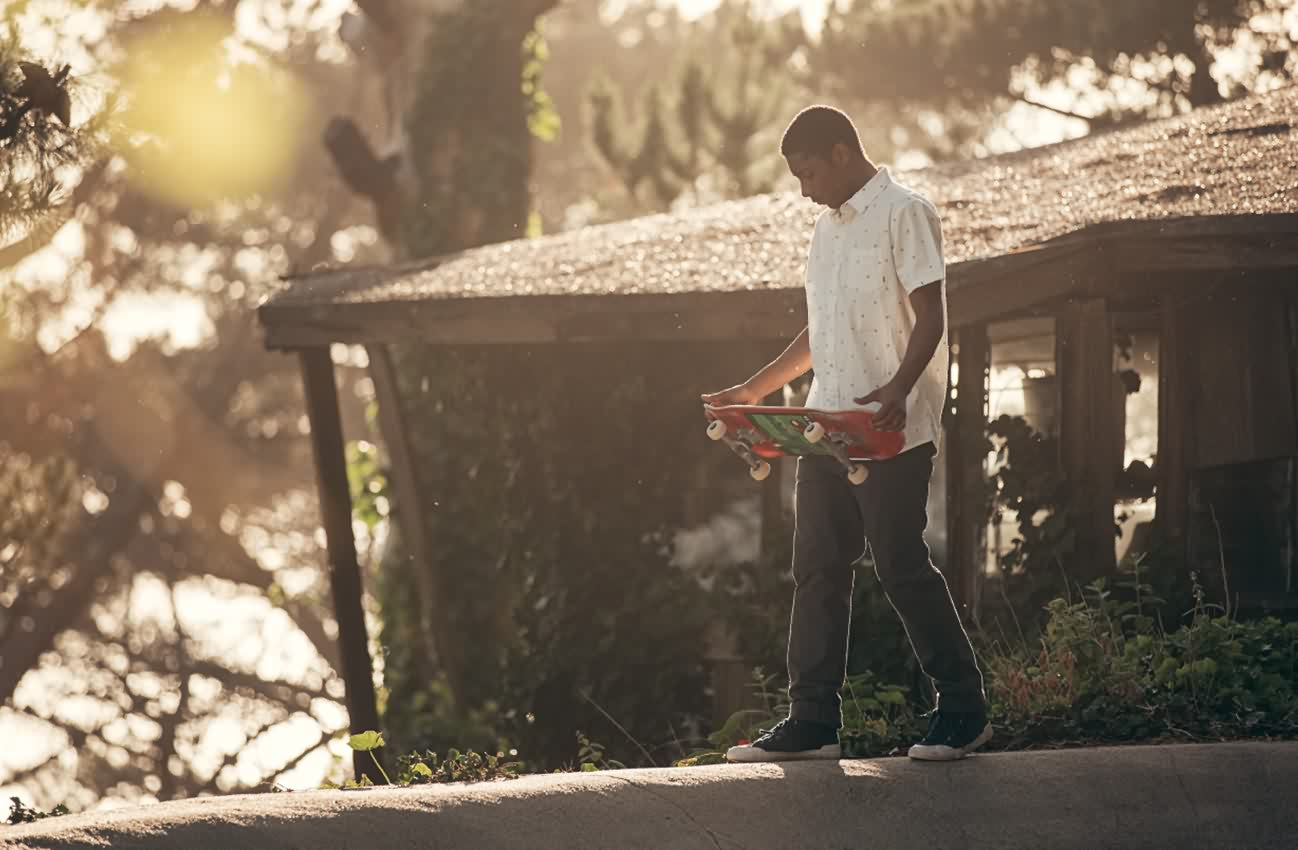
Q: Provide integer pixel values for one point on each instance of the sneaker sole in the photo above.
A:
(919, 752)
(755, 755)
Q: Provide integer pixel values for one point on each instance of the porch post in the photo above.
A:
(344, 571)
(1090, 452)
(406, 515)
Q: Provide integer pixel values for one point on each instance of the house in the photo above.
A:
(1176, 238)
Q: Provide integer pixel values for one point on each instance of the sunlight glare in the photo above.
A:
(201, 126)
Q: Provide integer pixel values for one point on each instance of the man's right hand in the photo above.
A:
(740, 394)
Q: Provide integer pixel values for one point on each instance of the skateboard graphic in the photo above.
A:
(758, 433)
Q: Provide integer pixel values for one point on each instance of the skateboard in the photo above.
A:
(759, 433)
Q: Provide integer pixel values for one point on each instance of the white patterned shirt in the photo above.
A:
(865, 260)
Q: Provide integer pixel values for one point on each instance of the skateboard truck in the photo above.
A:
(758, 433)
(757, 468)
(814, 433)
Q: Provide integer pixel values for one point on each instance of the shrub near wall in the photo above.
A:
(1104, 671)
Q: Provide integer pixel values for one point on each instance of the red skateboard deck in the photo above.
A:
(759, 433)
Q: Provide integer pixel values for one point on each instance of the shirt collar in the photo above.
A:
(867, 195)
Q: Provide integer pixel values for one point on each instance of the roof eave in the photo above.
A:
(1091, 261)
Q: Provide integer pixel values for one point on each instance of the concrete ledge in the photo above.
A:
(1240, 795)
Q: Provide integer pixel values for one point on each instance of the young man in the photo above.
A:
(876, 333)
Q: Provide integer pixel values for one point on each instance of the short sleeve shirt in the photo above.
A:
(865, 260)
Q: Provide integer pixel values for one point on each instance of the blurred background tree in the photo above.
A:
(1098, 62)
(162, 630)
(713, 127)
(163, 621)
(38, 147)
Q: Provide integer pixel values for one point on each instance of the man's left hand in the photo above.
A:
(891, 416)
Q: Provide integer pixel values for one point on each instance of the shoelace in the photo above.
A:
(777, 727)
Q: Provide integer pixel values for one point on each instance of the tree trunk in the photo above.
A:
(456, 176)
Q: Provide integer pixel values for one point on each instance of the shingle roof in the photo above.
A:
(1239, 158)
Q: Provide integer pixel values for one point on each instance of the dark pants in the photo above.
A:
(833, 521)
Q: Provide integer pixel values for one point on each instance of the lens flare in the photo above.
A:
(201, 123)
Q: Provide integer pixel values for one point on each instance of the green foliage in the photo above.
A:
(550, 553)
(37, 154)
(368, 742)
(368, 483)
(878, 719)
(1027, 480)
(365, 741)
(1106, 670)
(430, 768)
(473, 163)
(542, 118)
(22, 813)
(590, 755)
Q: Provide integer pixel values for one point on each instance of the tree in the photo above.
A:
(958, 58)
(152, 479)
(37, 143)
(729, 100)
(454, 174)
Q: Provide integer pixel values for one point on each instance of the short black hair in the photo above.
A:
(815, 130)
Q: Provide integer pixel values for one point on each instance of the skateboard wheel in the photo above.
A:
(814, 432)
(716, 430)
(760, 470)
(858, 473)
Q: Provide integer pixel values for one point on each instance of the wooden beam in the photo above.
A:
(344, 571)
(407, 517)
(1243, 379)
(1003, 286)
(1255, 252)
(966, 455)
(1089, 440)
(1080, 264)
(704, 317)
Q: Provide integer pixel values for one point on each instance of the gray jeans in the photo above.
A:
(833, 521)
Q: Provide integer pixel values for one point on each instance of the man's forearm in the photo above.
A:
(919, 351)
(792, 364)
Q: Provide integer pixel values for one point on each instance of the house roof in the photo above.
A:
(1234, 161)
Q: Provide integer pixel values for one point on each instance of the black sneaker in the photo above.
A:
(952, 735)
(790, 740)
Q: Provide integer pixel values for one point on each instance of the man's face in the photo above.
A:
(821, 177)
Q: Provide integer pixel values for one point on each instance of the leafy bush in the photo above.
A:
(428, 768)
(878, 719)
(1105, 670)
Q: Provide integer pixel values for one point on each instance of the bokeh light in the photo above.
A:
(203, 121)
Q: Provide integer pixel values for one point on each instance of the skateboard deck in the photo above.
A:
(759, 433)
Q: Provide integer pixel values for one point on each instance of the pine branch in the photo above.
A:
(1047, 107)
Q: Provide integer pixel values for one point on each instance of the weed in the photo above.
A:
(430, 768)
(22, 813)
(368, 742)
